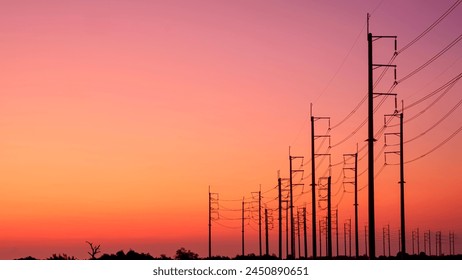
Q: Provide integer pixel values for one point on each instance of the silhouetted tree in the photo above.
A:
(130, 255)
(94, 250)
(183, 254)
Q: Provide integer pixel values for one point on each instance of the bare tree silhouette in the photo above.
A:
(94, 250)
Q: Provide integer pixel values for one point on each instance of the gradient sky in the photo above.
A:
(116, 116)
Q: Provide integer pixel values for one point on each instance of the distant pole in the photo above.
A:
(280, 216)
(356, 205)
(418, 241)
(243, 227)
(336, 229)
(349, 234)
(365, 239)
(413, 238)
(401, 182)
(425, 242)
(313, 186)
(383, 241)
(298, 233)
(266, 232)
(344, 237)
(329, 219)
(259, 220)
(388, 235)
(210, 224)
(320, 238)
(304, 233)
(287, 230)
(429, 243)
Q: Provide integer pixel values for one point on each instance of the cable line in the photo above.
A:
(443, 16)
(435, 57)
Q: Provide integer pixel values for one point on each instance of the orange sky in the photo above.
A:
(116, 116)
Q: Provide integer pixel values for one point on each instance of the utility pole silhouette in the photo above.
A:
(313, 175)
(365, 240)
(320, 238)
(280, 216)
(348, 166)
(266, 232)
(210, 224)
(304, 233)
(429, 243)
(344, 237)
(425, 242)
(401, 181)
(383, 241)
(287, 227)
(336, 229)
(349, 233)
(258, 194)
(213, 209)
(401, 172)
(243, 225)
(438, 243)
(371, 140)
(298, 233)
(388, 235)
(292, 224)
(418, 241)
(413, 239)
(451, 244)
(329, 219)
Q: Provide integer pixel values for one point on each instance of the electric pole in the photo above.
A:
(353, 168)
(329, 219)
(243, 229)
(266, 232)
(280, 216)
(213, 215)
(292, 224)
(313, 174)
(304, 233)
(371, 140)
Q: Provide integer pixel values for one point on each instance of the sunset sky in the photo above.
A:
(116, 116)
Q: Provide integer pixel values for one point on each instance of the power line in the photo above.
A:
(436, 147)
(443, 16)
(435, 124)
(435, 57)
(453, 80)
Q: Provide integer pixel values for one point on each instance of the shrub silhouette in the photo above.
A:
(183, 254)
(61, 257)
(130, 255)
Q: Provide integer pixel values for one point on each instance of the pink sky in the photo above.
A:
(116, 116)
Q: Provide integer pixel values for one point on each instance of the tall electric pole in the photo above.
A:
(313, 174)
(313, 186)
(371, 140)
